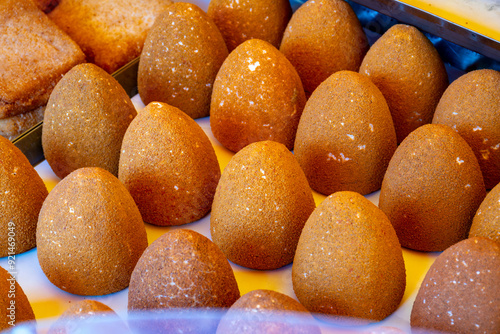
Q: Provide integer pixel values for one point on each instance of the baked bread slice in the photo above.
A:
(12, 127)
(111, 33)
(34, 55)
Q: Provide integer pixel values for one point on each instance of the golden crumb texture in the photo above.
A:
(88, 314)
(182, 54)
(22, 307)
(181, 271)
(260, 207)
(349, 262)
(470, 105)
(321, 38)
(110, 33)
(242, 20)
(34, 55)
(85, 121)
(257, 96)
(460, 290)
(433, 160)
(263, 311)
(169, 166)
(408, 70)
(21, 197)
(90, 234)
(346, 136)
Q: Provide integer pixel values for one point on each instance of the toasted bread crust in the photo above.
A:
(110, 33)
(12, 127)
(34, 55)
